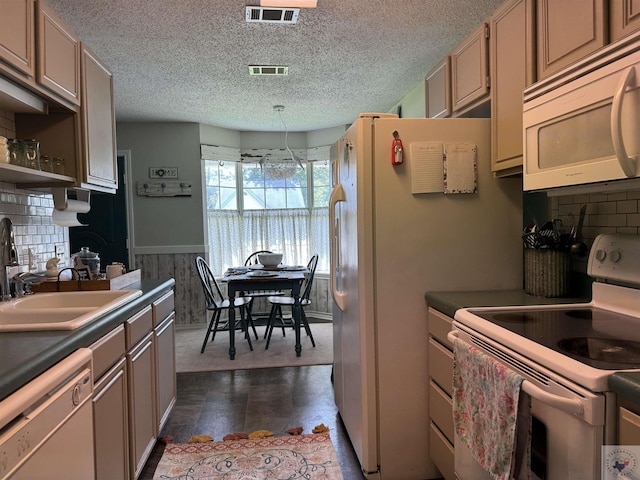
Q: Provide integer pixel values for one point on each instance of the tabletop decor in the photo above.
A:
(293, 457)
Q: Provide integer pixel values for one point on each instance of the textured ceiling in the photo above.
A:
(187, 60)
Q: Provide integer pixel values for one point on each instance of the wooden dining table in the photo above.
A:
(278, 279)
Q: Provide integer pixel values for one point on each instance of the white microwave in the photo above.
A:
(582, 125)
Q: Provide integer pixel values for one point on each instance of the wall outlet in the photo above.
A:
(60, 251)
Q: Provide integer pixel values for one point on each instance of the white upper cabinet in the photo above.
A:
(512, 69)
(470, 70)
(438, 89)
(58, 55)
(17, 39)
(567, 31)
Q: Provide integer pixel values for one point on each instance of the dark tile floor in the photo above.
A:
(276, 399)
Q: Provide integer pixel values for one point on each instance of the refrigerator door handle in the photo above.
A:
(337, 195)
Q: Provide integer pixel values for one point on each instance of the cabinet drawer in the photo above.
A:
(441, 453)
(108, 350)
(162, 308)
(441, 410)
(628, 427)
(439, 325)
(138, 326)
(441, 366)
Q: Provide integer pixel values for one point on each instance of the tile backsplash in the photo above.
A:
(616, 212)
(30, 212)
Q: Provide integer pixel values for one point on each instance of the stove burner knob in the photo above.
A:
(601, 255)
(615, 256)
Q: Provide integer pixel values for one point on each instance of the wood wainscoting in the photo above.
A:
(189, 298)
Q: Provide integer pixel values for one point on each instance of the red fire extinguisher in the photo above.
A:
(397, 150)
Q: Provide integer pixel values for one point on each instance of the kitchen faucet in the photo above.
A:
(23, 282)
(8, 256)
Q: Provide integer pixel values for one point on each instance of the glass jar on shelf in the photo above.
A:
(16, 152)
(58, 165)
(32, 154)
(46, 163)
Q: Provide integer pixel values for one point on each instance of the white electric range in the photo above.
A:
(566, 353)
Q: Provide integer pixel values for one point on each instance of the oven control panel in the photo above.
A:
(615, 257)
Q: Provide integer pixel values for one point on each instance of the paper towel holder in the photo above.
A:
(61, 194)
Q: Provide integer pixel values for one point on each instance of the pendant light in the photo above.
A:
(281, 169)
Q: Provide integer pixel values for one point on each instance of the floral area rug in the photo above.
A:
(309, 457)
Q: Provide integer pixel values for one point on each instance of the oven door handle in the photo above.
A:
(568, 405)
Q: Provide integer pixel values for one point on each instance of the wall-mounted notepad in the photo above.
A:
(426, 167)
(460, 168)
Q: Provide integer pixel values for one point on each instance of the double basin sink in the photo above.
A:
(61, 310)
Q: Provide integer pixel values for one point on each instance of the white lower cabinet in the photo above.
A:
(141, 384)
(441, 430)
(111, 427)
(142, 431)
(164, 336)
(110, 420)
(135, 389)
(628, 427)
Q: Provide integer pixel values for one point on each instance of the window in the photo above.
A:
(279, 206)
(261, 190)
(222, 193)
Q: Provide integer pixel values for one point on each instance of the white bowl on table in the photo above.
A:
(270, 259)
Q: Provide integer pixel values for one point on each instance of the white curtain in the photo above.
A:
(296, 233)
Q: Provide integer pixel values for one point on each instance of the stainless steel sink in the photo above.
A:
(61, 311)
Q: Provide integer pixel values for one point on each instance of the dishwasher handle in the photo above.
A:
(49, 380)
(568, 405)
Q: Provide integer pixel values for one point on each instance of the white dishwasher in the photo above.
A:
(46, 427)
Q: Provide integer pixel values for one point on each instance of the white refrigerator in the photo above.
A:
(389, 247)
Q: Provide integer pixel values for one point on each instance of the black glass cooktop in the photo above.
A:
(599, 338)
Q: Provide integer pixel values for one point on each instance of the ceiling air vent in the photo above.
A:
(272, 14)
(268, 70)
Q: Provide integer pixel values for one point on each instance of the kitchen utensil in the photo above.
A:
(532, 240)
(578, 247)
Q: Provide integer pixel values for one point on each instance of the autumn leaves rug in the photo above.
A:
(294, 457)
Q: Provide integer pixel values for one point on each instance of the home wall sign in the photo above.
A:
(163, 172)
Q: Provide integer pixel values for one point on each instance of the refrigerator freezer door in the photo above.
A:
(354, 355)
(393, 247)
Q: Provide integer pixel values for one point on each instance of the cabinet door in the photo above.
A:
(111, 430)
(142, 428)
(164, 336)
(438, 89)
(512, 69)
(98, 123)
(470, 70)
(58, 52)
(567, 31)
(17, 36)
(624, 18)
(628, 427)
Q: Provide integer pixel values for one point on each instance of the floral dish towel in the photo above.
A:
(490, 416)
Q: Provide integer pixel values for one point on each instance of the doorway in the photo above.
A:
(107, 226)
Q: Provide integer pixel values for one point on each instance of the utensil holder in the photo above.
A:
(546, 272)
